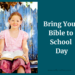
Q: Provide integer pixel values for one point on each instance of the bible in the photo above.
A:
(7, 55)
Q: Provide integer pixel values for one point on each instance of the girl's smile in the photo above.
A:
(14, 25)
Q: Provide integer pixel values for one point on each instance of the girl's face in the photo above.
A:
(15, 21)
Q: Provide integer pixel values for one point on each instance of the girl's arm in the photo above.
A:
(25, 50)
(1, 45)
(25, 47)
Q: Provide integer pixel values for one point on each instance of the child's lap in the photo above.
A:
(16, 61)
(11, 65)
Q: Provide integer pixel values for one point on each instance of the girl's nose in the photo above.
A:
(15, 22)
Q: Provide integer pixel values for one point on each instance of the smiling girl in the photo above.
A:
(12, 40)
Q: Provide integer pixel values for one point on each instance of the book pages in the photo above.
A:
(7, 54)
(12, 55)
(17, 53)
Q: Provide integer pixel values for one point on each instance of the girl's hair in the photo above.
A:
(15, 13)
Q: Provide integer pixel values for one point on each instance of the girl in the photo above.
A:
(12, 40)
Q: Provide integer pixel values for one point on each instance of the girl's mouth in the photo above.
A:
(14, 25)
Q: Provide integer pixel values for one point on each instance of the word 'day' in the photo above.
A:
(61, 51)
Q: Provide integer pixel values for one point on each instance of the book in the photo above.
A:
(7, 55)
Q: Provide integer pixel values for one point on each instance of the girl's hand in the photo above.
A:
(27, 58)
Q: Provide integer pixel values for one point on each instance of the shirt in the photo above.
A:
(13, 44)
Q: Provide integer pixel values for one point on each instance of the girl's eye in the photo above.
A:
(17, 21)
(12, 20)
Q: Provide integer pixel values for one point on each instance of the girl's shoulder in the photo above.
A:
(2, 34)
(24, 34)
(3, 31)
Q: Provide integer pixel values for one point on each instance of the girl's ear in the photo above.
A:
(9, 21)
(21, 22)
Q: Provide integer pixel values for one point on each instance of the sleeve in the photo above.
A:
(25, 36)
(2, 35)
